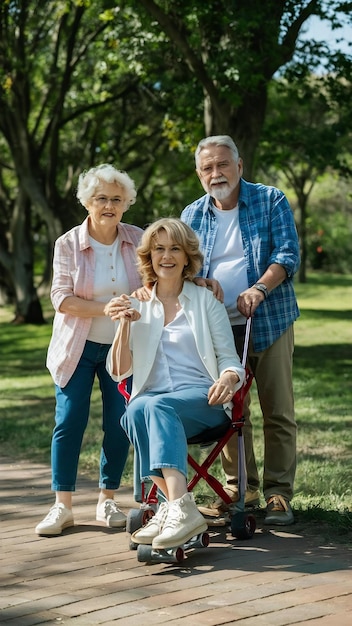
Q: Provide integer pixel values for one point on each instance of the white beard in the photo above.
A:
(221, 193)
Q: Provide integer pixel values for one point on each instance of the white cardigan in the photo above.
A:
(209, 323)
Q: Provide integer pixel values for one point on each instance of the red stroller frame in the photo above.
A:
(243, 524)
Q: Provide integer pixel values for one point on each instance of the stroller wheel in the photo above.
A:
(243, 525)
(136, 518)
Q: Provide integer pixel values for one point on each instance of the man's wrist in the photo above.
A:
(263, 288)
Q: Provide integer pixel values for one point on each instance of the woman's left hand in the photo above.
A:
(222, 391)
(129, 315)
(114, 307)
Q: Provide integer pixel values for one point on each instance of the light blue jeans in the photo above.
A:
(71, 419)
(158, 426)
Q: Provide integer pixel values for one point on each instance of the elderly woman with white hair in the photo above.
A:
(94, 263)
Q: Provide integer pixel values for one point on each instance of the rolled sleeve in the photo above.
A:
(284, 237)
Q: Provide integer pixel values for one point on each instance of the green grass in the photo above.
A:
(323, 393)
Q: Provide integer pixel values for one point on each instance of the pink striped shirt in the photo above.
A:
(73, 275)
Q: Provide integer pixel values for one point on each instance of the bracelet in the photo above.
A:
(263, 288)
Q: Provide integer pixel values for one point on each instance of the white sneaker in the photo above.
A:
(153, 527)
(109, 512)
(58, 518)
(182, 523)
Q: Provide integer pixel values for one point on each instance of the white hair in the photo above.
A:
(217, 140)
(89, 181)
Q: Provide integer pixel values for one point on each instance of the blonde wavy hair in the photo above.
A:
(179, 233)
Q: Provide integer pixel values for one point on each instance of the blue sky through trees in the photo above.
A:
(320, 30)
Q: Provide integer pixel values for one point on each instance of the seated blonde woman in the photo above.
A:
(180, 349)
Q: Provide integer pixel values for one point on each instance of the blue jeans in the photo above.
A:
(71, 419)
(158, 426)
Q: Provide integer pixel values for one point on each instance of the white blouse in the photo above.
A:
(110, 281)
(210, 327)
(176, 354)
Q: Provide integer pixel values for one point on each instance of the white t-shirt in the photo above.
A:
(176, 354)
(227, 264)
(110, 281)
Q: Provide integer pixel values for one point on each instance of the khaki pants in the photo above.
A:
(272, 370)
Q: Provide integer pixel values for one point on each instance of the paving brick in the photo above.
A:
(88, 576)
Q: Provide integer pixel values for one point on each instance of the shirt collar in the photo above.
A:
(123, 233)
(83, 235)
(185, 293)
(243, 197)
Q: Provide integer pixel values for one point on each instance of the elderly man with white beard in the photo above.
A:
(250, 245)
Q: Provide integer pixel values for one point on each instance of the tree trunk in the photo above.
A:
(244, 124)
(27, 304)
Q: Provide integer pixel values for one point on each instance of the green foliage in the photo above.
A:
(306, 130)
(329, 225)
(307, 134)
(330, 248)
(135, 84)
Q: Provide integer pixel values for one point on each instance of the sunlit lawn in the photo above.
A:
(322, 383)
(323, 392)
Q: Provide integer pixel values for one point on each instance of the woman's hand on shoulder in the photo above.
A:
(142, 294)
(211, 284)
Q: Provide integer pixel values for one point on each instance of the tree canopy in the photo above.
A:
(137, 84)
(232, 50)
(307, 132)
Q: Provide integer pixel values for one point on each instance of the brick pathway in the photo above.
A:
(88, 575)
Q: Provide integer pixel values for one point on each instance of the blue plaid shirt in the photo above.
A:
(269, 236)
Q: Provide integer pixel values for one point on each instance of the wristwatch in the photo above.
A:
(263, 288)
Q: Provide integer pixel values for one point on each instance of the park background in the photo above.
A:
(138, 84)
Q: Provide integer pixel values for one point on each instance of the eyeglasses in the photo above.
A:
(102, 201)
